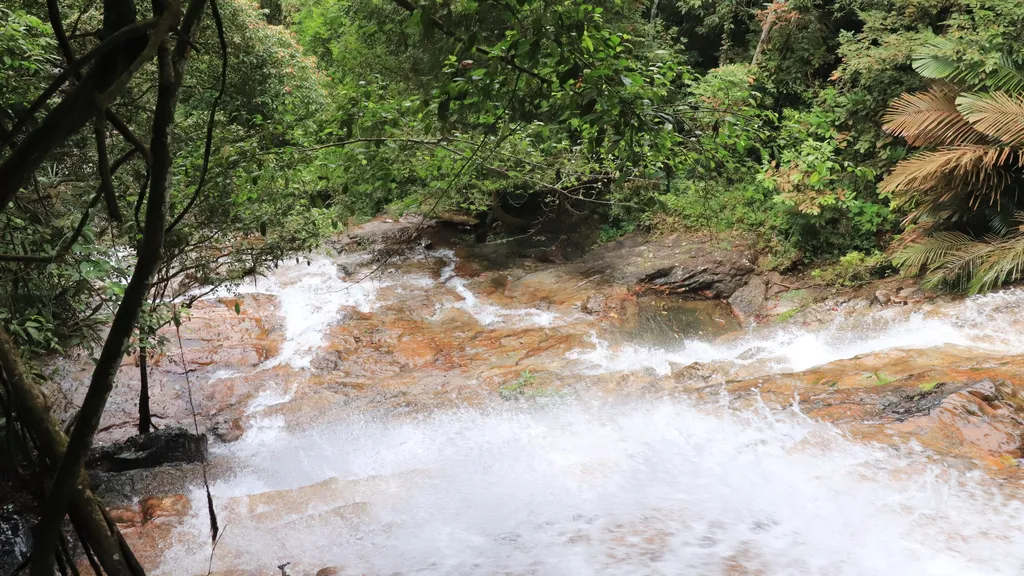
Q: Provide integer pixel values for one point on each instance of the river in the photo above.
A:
(426, 421)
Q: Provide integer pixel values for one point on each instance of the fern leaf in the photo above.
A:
(929, 118)
(998, 115)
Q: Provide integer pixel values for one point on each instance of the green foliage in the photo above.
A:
(26, 53)
(853, 269)
(820, 181)
(253, 209)
(534, 117)
(789, 314)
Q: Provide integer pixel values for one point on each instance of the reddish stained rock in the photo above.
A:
(126, 516)
(173, 506)
(951, 400)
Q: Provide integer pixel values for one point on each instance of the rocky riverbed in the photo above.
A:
(654, 407)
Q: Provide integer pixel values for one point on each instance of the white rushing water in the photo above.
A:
(632, 488)
(654, 488)
(989, 323)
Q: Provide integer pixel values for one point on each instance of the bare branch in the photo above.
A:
(103, 168)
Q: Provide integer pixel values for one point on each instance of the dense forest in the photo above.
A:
(150, 152)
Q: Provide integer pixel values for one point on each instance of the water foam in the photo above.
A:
(653, 488)
(312, 298)
(984, 322)
(484, 313)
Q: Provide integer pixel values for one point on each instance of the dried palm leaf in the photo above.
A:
(977, 170)
(930, 118)
(998, 115)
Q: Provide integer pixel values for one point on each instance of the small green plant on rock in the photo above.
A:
(853, 269)
(881, 379)
(520, 388)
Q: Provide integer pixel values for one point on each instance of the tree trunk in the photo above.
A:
(34, 413)
(145, 420)
(762, 42)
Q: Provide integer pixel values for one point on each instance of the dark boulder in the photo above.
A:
(692, 265)
(164, 446)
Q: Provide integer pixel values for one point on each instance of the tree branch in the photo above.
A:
(124, 35)
(160, 32)
(126, 132)
(73, 111)
(103, 168)
(53, 12)
(82, 222)
(34, 412)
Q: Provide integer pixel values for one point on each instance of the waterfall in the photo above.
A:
(601, 485)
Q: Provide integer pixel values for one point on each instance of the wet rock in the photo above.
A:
(911, 293)
(915, 403)
(680, 264)
(122, 489)
(594, 304)
(748, 301)
(984, 391)
(776, 284)
(126, 515)
(173, 506)
(403, 232)
(15, 542)
(887, 298)
(629, 314)
(228, 429)
(695, 374)
(384, 236)
(164, 446)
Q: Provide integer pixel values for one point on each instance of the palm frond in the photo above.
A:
(929, 118)
(975, 170)
(932, 61)
(997, 114)
(1004, 77)
(958, 268)
(1001, 221)
(1003, 262)
(936, 62)
(931, 252)
(960, 261)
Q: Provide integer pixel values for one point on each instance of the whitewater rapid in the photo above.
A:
(611, 487)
